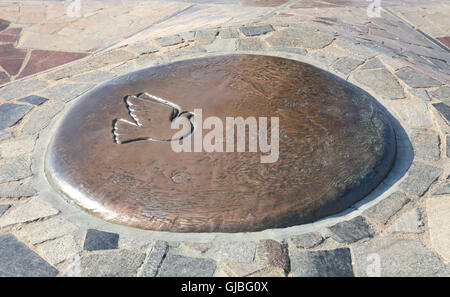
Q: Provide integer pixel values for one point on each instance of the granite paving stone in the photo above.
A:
(438, 221)
(250, 44)
(292, 50)
(416, 79)
(273, 253)
(346, 65)
(15, 170)
(299, 38)
(387, 207)
(357, 48)
(4, 208)
(447, 140)
(17, 260)
(6, 134)
(324, 58)
(235, 269)
(142, 48)
(420, 93)
(236, 251)
(155, 259)
(222, 45)
(34, 99)
(351, 231)
(419, 179)
(410, 222)
(188, 36)
(108, 58)
(112, 263)
(444, 109)
(442, 93)
(325, 263)
(182, 266)
(442, 189)
(28, 211)
(398, 258)
(51, 228)
(17, 190)
(67, 91)
(21, 88)
(228, 33)
(189, 50)
(93, 77)
(381, 81)
(426, 146)
(257, 30)
(205, 37)
(17, 147)
(307, 240)
(100, 240)
(40, 119)
(11, 113)
(201, 247)
(60, 249)
(170, 40)
(374, 63)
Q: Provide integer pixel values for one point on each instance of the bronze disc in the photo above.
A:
(335, 146)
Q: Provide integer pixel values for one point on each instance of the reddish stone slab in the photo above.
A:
(11, 58)
(41, 60)
(445, 40)
(4, 78)
(8, 38)
(3, 24)
(12, 31)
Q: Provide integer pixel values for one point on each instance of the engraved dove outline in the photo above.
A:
(137, 122)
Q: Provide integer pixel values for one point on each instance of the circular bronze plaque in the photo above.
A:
(113, 156)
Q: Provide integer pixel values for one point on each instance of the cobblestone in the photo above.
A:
(28, 211)
(17, 190)
(112, 263)
(67, 92)
(51, 228)
(17, 147)
(256, 30)
(416, 79)
(398, 258)
(40, 119)
(351, 231)
(155, 259)
(327, 263)
(19, 261)
(410, 222)
(381, 81)
(21, 88)
(181, 266)
(99, 240)
(308, 240)
(15, 170)
(299, 38)
(419, 179)
(236, 251)
(387, 207)
(11, 113)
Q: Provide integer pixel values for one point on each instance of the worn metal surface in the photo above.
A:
(336, 145)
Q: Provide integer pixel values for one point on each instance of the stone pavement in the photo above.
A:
(400, 229)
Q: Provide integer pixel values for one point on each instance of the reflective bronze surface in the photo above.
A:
(336, 145)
